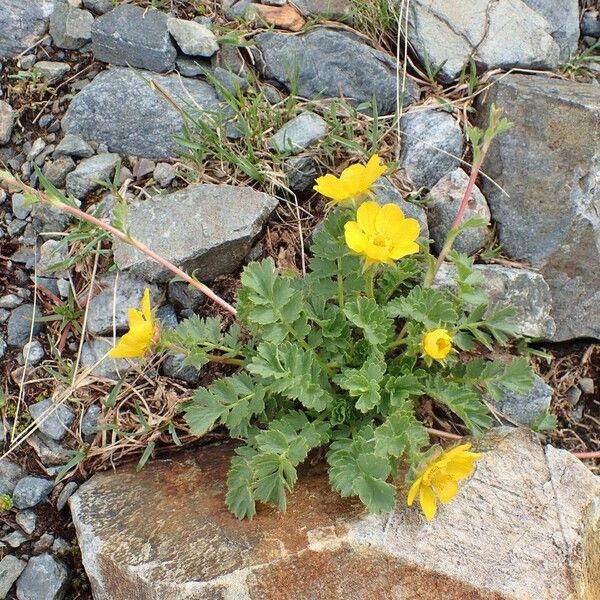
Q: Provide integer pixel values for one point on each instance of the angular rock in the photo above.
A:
(233, 83)
(333, 10)
(164, 173)
(34, 352)
(22, 23)
(48, 218)
(99, 6)
(526, 408)
(497, 33)
(89, 173)
(21, 207)
(89, 423)
(14, 539)
(10, 473)
(132, 35)
(56, 171)
(52, 422)
(116, 294)
(301, 172)
(50, 453)
(120, 110)
(52, 253)
(173, 367)
(65, 494)
(193, 39)
(590, 24)
(52, 71)
(522, 527)
(221, 222)
(30, 491)
(26, 520)
(92, 356)
(20, 324)
(73, 145)
(70, 27)
(7, 121)
(10, 569)
(432, 146)
(446, 196)
(44, 578)
(551, 218)
(524, 290)
(313, 60)
(282, 17)
(300, 133)
(166, 316)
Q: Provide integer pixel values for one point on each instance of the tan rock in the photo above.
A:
(283, 17)
(524, 527)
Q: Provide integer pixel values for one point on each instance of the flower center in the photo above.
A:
(442, 344)
(379, 240)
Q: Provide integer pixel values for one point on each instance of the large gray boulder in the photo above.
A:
(22, 24)
(328, 63)
(120, 109)
(132, 35)
(207, 229)
(549, 164)
(497, 33)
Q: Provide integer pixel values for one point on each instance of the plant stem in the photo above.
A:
(340, 283)
(80, 214)
(370, 282)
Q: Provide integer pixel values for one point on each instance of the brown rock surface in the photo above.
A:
(524, 527)
(282, 17)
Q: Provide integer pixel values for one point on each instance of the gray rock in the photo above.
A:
(333, 10)
(65, 494)
(55, 424)
(497, 33)
(167, 316)
(48, 218)
(70, 28)
(93, 357)
(56, 171)
(190, 67)
(301, 172)
(549, 165)
(446, 196)
(10, 473)
(184, 295)
(7, 121)
(52, 252)
(73, 145)
(173, 367)
(313, 59)
(44, 578)
(52, 71)
(50, 453)
(20, 325)
(22, 23)
(233, 83)
(132, 35)
(143, 167)
(432, 144)
(10, 569)
(590, 24)
(121, 110)
(3, 347)
(164, 173)
(193, 39)
(61, 547)
(587, 385)
(21, 207)
(385, 192)
(30, 491)
(526, 408)
(99, 6)
(89, 173)
(89, 423)
(43, 544)
(10, 301)
(221, 223)
(34, 352)
(14, 539)
(524, 290)
(300, 133)
(113, 300)
(26, 520)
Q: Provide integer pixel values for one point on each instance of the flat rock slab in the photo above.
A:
(523, 527)
(22, 24)
(548, 163)
(121, 110)
(205, 228)
(328, 63)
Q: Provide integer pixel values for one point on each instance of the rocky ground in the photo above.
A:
(210, 121)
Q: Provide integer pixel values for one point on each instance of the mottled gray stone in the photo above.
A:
(50, 453)
(166, 315)
(192, 67)
(333, 10)
(26, 520)
(432, 145)
(526, 408)
(522, 289)
(120, 110)
(300, 133)
(445, 199)
(22, 23)
(48, 218)
(164, 173)
(56, 171)
(184, 295)
(34, 352)
(52, 71)
(132, 35)
(99, 6)
(73, 145)
(92, 355)
(548, 163)
(44, 578)
(173, 367)
(192, 38)
(221, 221)
(65, 494)
(70, 27)
(313, 60)
(21, 207)
(30, 491)
(89, 423)
(19, 325)
(89, 173)
(233, 83)
(301, 172)
(10, 473)
(14, 539)
(52, 422)
(10, 569)
(590, 24)
(497, 33)
(7, 121)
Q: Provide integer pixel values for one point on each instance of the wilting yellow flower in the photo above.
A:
(142, 329)
(437, 344)
(354, 181)
(381, 233)
(439, 480)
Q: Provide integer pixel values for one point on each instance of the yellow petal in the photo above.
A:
(375, 168)
(146, 308)
(376, 253)
(428, 502)
(446, 488)
(389, 217)
(459, 468)
(398, 252)
(412, 493)
(366, 217)
(135, 317)
(354, 236)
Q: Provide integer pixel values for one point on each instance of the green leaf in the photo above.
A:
(400, 433)
(273, 475)
(363, 383)
(239, 497)
(396, 276)
(367, 315)
(424, 305)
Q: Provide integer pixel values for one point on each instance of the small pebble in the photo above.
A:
(33, 352)
(587, 385)
(43, 544)
(14, 539)
(65, 494)
(26, 520)
(573, 395)
(30, 491)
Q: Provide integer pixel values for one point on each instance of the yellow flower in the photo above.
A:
(437, 344)
(381, 233)
(354, 181)
(142, 329)
(440, 478)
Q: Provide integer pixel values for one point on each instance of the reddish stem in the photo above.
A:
(584, 455)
